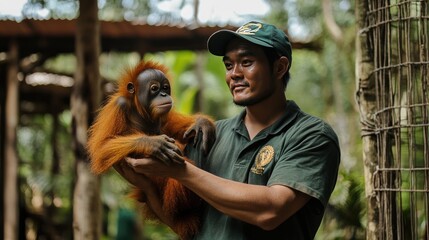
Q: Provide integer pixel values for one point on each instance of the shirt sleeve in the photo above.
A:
(194, 154)
(309, 165)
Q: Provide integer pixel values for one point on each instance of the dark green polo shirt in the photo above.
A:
(299, 151)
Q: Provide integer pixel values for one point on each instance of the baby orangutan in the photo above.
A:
(137, 121)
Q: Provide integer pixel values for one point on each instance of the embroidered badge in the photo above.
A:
(265, 156)
(249, 29)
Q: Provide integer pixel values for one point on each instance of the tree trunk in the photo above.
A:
(85, 100)
(199, 67)
(366, 99)
(11, 157)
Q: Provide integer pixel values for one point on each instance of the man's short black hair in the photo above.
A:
(273, 56)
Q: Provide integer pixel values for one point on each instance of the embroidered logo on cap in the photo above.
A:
(249, 28)
(265, 156)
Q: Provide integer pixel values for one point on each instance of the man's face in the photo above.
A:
(248, 74)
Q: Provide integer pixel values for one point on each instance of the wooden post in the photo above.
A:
(85, 100)
(11, 157)
(365, 95)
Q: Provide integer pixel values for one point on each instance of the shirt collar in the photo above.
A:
(238, 125)
(292, 110)
(288, 117)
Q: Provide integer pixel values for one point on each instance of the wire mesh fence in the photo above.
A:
(399, 36)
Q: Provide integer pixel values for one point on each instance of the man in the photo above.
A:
(273, 167)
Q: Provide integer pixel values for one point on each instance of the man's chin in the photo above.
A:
(247, 101)
(242, 103)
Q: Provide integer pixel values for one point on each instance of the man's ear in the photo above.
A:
(282, 66)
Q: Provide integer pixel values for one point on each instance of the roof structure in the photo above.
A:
(56, 36)
(52, 37)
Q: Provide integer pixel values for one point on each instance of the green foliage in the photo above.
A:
(308, 11)
(187, 100)
(344, 217)
(44, 189)
(278, 15)
(65, 64)
(308, 75)
(113, 64)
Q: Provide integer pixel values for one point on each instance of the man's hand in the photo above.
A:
(153, 167)
(139, 180)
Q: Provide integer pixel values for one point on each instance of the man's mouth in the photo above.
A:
(239, 87)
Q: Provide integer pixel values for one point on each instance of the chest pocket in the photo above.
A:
(264, 162)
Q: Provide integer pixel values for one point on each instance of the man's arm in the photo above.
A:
(264, 206)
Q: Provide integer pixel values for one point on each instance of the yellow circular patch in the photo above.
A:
(265, 156)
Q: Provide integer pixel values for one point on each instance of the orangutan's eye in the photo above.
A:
(154, 88)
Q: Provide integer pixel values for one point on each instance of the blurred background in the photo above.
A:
(323, 34)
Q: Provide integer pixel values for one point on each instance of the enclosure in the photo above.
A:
(393, 98)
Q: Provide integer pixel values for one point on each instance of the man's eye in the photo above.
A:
(246, 62)
(228, 66)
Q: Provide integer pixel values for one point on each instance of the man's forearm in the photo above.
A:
(264, 206)
(259, 205)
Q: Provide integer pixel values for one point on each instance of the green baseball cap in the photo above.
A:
(259, 33)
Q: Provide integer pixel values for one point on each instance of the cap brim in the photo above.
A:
(217, 41)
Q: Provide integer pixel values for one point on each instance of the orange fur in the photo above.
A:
(112, 138)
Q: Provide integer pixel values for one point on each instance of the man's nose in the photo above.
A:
(237, 72)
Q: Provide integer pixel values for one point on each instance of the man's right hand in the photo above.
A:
(139, 180)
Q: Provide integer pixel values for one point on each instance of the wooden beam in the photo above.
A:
(11, 209)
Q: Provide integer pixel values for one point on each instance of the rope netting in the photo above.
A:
(399, 35)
